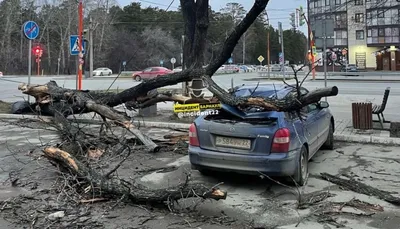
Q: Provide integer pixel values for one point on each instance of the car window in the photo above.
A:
(154, 69)
(147, 70)
(312, 107)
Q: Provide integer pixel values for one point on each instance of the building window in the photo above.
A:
(381, 13)
(369, 33)
(369, 15)
(359, 18)
(327, 2)
(360, 34)
(381, 32)
(337, 2)
(358, 2)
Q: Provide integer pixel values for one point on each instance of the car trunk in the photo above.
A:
(232, 131)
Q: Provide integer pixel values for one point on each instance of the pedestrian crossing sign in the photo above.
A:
(74, 45)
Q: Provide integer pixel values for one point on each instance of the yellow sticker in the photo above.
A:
(186, 107)
(210, 106)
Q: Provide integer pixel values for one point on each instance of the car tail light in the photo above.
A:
(193, 140)
(281, 141)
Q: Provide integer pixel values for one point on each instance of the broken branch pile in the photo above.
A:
(118, 187)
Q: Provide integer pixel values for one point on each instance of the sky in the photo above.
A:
(278, 10)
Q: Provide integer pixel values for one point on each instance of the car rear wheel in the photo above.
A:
(301, 176)
(101, 74)
(205, 172)
(109, 73)
(329, 141)
(137, 78)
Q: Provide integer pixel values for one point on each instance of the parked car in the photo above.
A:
(151, 72)
(102, 72)
(1, 74)
(349, 68)
(276, 68)
(178, 69)
(243, 68)
(256, 141)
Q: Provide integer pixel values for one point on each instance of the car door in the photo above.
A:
(324, 120)
(311, 128)
(146, 73)
(155, 72)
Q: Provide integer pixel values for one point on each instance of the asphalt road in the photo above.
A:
(349, 91)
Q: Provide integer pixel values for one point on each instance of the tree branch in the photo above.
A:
(119, 187)
(233, 39)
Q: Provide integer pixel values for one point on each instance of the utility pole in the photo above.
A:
(244, 48)
(325, 56)
(80, 38)
(282, 48)
(184, 84)
(268, 46)
(91, 47)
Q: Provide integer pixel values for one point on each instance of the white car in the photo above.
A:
(102, 72)
(1, 74)
(178, 69)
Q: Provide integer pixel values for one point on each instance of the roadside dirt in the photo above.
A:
(31, 189)
(33, 192)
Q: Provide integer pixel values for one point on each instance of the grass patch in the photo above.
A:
(5, 108)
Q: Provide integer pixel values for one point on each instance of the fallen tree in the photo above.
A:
(62, 102)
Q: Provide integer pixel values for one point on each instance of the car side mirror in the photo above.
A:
(323, 104)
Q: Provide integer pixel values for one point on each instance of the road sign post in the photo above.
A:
(280, 30)
(124, 64)
(74, 43)
(173, 61)
(31, 32)
(260, 59)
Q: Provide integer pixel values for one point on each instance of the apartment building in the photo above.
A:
(366, 32)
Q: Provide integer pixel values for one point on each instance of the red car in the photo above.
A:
(151, 72)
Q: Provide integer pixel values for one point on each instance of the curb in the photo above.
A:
(368, 80)
(171, 125)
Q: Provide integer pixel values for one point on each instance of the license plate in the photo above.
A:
(233, 142)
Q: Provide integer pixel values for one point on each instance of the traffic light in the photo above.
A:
(293, 20)
(36, 50)
(301, 16)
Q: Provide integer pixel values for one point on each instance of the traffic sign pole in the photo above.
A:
(31, 31)
(29, 63)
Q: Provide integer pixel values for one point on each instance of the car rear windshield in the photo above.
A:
(226, 117)
(279, 94)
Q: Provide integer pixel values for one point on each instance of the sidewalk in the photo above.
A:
(343, 128)
(358, 76)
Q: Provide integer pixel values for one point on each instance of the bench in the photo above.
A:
(378, 109)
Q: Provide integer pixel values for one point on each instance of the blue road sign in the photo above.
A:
(230, 60)
(280, 54)
(124, 63)
(74, 45)
(31, 30)
(161, 62)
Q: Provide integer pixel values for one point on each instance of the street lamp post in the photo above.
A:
(80, 31)
(268, 45)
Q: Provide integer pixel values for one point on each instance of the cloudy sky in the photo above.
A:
(278, 10)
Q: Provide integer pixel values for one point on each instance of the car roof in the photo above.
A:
(265, 90)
